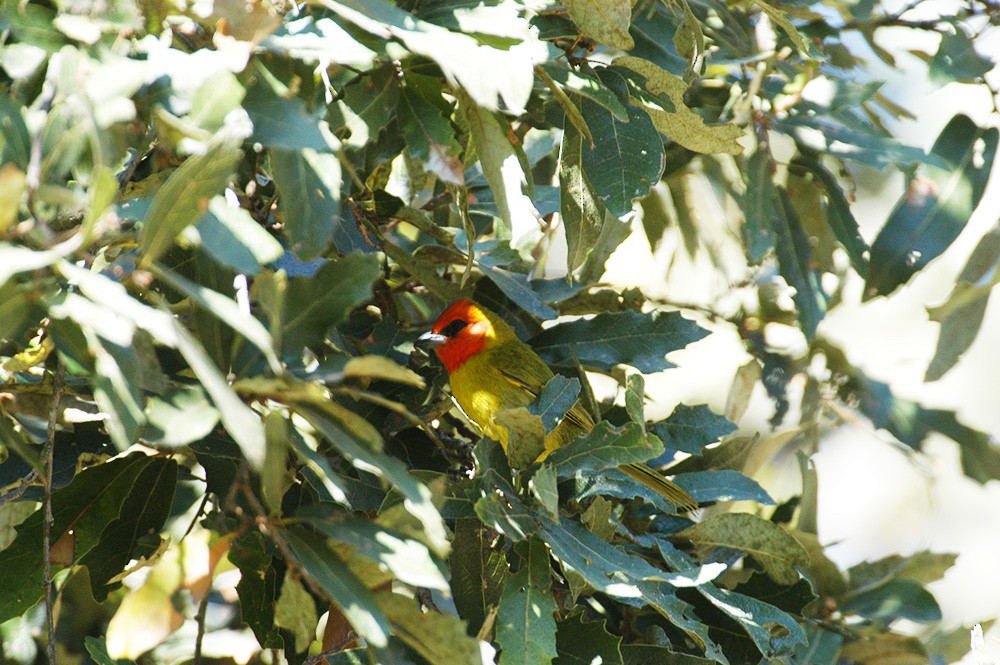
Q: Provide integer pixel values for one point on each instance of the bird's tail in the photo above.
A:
(660, 485)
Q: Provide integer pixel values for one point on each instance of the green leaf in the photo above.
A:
(242, 423)
(626, 577)
(603, 448)
(440, 639)
(885, 649)
(275, 478)
(936, 206)
(342, 586)
(505, 172)
(672, 117)
(257, 588)
(838, 213)
(315, 304)
(526, 435)
(15, 259)
(500, 509)
(12, 185)
(227, 310)
(215, 98)
(760, 207)
(86, 506)
(232, 237)
(606, 21)
(571, 110)
(382, 369)
(613, 233)
(98, 650)
(183, 199)
(961, 315)
(309, 182)
(143, 513)
(582, 642)
(116, 388)
(515, 286)
(690, 428)
(796, 264)
(417, 497)
(526, 625)
(824, 647)
(318, 41)
(15, 141)
(281, 120)
(895, 599)
(957, 60)
(427, 127)
(544, 487)
(579, 82)
(923, 567)
(328, 484)
(368, 104)
(781, 19)
(772, 547)
(627, 338)
(558, 396)
(406, 559)
(478, 571)
(296, 612)
(773, 632)
(635, 398)
(462, 59)
(626, 159)
(650, 654)
(722, 485)
(579, 204)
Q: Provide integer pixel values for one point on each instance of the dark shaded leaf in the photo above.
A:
(143, 513)
(478, 570)
(557, 397)
(86, 506)
(626, 159)
(797, 267)
(629, 338)
(895, 599)
(315, 304)
(582, 642)
(778, 553)
(690, 428)
(722, 485)
(603, 448)
(936, 206)
(579, 204)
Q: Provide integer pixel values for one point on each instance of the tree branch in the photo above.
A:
(58, 381)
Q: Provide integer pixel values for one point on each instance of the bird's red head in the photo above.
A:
(462, 331)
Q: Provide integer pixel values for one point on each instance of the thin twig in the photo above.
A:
(16, 494)
(48, 454)
(329, 651)
(200, 620)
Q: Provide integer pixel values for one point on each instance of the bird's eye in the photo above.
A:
(453, 328)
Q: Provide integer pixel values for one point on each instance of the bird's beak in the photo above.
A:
(430, 340)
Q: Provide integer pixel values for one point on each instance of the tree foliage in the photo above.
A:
(222, 225)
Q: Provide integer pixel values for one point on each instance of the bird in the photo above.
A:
(490, 370)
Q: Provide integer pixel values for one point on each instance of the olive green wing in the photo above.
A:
(529, 373)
